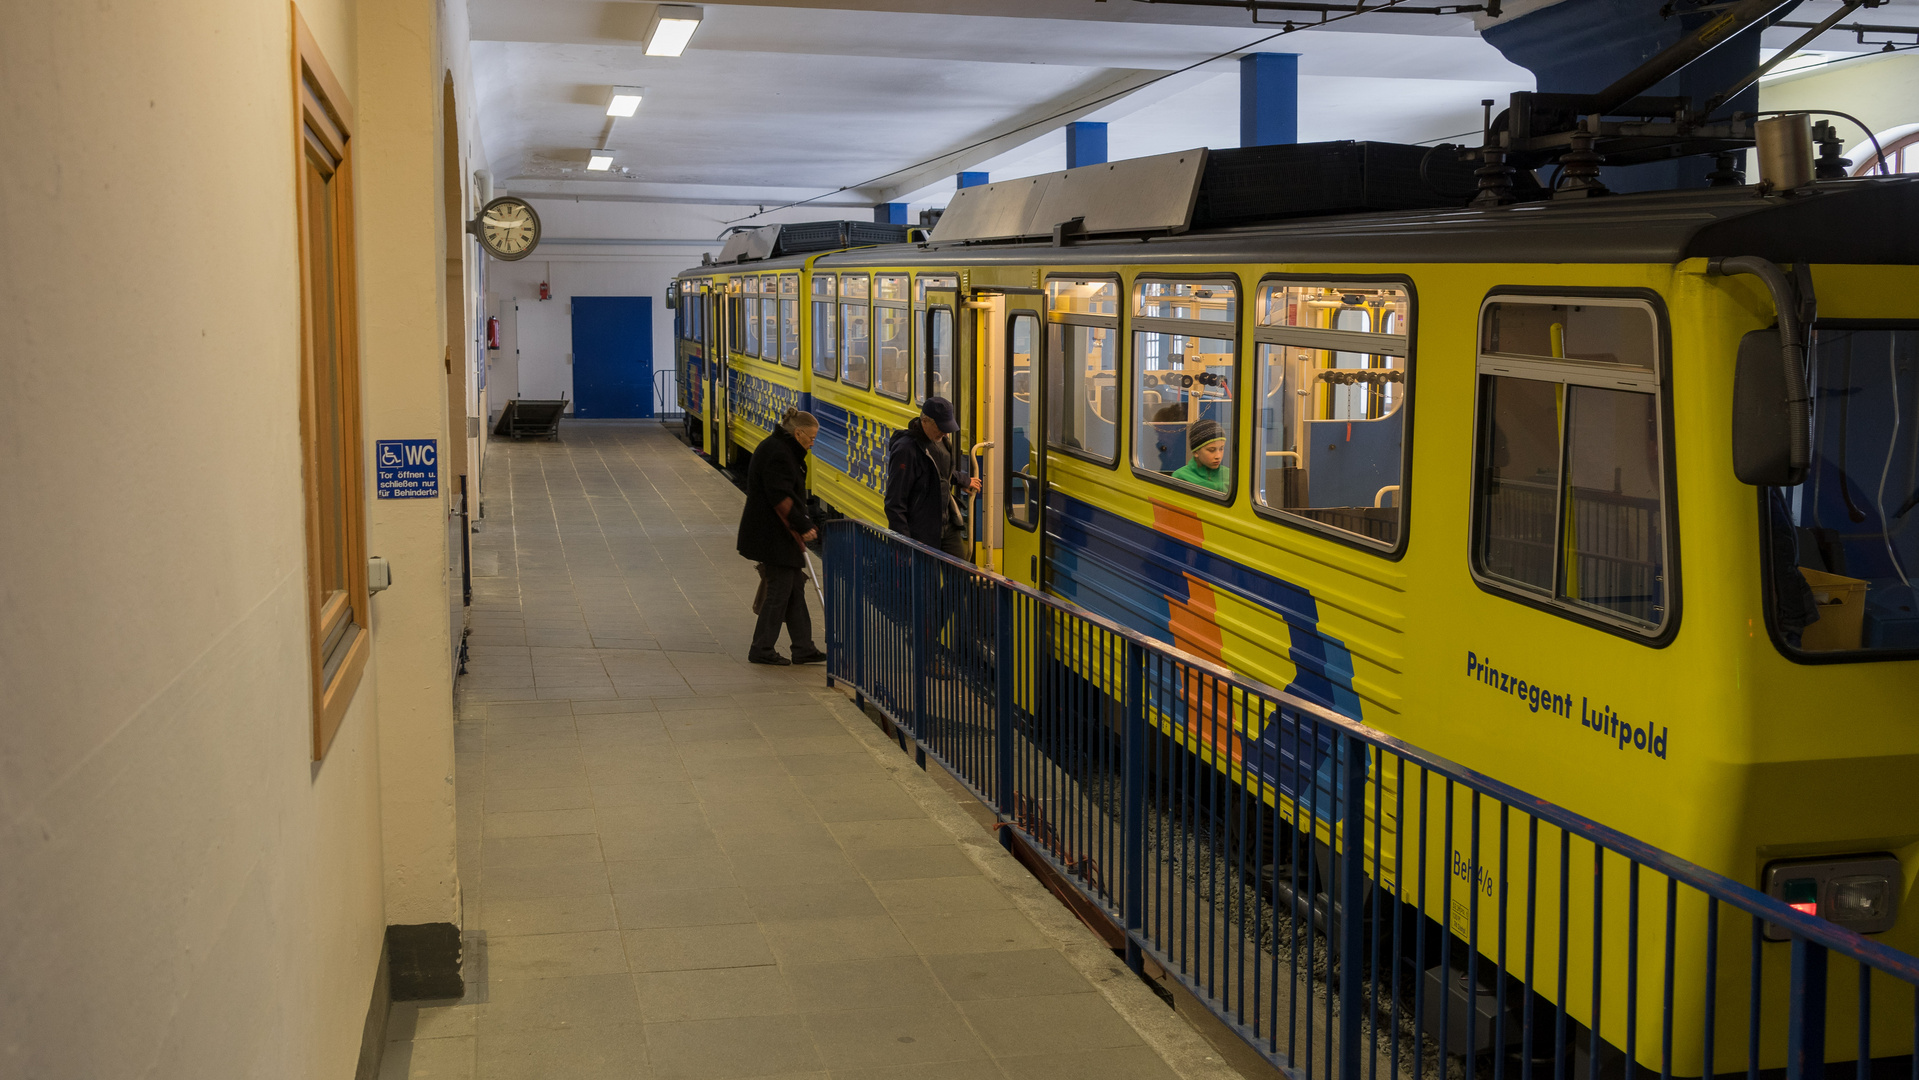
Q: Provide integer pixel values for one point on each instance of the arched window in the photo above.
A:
(1902, 156)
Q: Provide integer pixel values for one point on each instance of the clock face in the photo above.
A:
(508, 228)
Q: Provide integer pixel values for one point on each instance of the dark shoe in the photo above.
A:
(771, 658)
(814, 656)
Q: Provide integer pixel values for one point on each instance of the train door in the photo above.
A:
(1007, 347)
(719, 365)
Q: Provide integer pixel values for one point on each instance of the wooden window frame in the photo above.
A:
(323, 124)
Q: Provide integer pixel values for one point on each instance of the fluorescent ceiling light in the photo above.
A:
(672, 28)
(625, 100)
(599, 160)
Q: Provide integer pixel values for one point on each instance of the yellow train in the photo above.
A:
(1479, 489)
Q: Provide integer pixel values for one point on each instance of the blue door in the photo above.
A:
(612, 356)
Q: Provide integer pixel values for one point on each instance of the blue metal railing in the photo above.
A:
(1349, 904)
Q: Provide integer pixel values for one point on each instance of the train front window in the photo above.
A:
(1843, 546)
(892, 355)
(1570, 499)
(1331, 410)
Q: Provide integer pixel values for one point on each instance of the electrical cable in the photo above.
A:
(1290, 29)
(1892, 444)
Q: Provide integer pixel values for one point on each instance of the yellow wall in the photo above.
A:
(183, 893)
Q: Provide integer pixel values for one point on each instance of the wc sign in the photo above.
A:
(407, 468)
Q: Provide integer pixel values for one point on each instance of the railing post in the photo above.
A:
(1806, 1027)
(1002, 712)
(1352, 880)
(862, 565)
(917, 619)
(829, 589)
(1133, 803)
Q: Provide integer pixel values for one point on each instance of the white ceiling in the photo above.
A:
(887, 99)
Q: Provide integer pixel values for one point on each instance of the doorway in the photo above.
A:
(612, 357)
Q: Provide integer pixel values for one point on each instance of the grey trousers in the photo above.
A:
(782, 603)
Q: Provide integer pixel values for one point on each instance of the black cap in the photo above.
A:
(940, 411)
(1203, 432)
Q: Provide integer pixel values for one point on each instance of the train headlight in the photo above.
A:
(1859, 893)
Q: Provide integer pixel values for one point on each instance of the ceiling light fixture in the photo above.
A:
(625, 100)
(599, 160)
(672, 28)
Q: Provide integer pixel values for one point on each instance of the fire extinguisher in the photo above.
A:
(545, 292)
(492, 332)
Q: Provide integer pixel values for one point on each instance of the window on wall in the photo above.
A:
(892, 363)
(337, 602)
(790, 320)
(1902, 157)
(1331, 412)
(934, 297)
(854, 336)
(1184, 374)
(826, 339)
(1082, 367)
(1569, 504)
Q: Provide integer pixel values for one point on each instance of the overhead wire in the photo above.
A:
(1289, 29)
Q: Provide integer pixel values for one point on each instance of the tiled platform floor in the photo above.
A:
(679, 865)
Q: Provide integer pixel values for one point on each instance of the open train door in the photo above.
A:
(1008, 337)
(718, 357)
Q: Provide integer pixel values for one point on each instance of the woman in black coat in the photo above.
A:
(774, 531)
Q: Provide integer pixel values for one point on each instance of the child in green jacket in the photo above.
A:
(1206, 450)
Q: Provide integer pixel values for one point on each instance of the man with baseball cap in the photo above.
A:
(923, 476)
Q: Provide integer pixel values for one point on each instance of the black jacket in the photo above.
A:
(775, 515)
(916, 500)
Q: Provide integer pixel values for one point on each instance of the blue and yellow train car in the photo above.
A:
(1478, 487)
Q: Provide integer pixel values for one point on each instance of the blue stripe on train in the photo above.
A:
(1130, 572)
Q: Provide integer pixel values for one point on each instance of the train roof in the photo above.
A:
(1861, 221)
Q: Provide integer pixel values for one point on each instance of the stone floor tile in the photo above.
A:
(1046, 1025)
(908, 1035)
(1029, 973)
(894, 864)
(429, 1059)
(541, 850)
(537, 823)
(547, 956)
(408, 1020)
(548, 915)
(518, 1004)
(595, 1052)
(714, 994)
(813, 941)
(780, 901)
(665, 907)
(971, 1069)
(710, 870)
(1123, 1063)
(735, 1048)
(940, 896)
(683, 948)
(969, 932)
(533, 882)
(531, 800)
(895, 833)
(873, 983)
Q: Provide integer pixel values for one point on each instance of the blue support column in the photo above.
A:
(1268, 99)
(971, 179)
(1085, 144)
(890, 213)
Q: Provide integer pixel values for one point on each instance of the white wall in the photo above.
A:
(602, 266)
(183, 893)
